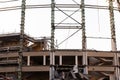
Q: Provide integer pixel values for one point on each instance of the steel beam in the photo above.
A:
(57, 5)
(68, 27)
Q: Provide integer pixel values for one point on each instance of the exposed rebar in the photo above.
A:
(52, 40)
(21, 39)
(84, 45)
(113, 39)
(112, 26)
(83, 25)
(118, 2)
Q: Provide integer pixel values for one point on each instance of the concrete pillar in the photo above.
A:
(112, 77)
(44, 60)
(76, 60)
(28, 60)
(85, 62)
(60, 60)
(54, 59)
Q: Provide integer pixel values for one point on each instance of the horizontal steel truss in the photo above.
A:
(57, 5)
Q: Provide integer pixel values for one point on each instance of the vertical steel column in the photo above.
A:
(52, 40)
(84, 45)
(113, 38)
(21, 39)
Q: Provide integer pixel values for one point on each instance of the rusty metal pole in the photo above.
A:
(52, 41)
(113, 39)
(84, 45)
(21, 39)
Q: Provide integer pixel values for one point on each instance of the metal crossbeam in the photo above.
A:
(57, 5)
(68, 27)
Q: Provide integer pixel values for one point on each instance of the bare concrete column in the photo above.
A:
(54, 59)
(113, 40)
(111, 77)
(28, 60)
(60, 60)
(44, 60)
(85, 62)
(76, 60)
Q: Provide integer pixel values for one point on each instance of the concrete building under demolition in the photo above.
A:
(9, 48)
(26, 58)
(68, 64)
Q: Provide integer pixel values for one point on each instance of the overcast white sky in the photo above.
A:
(38, 23)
